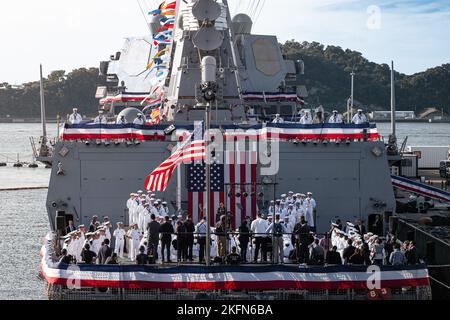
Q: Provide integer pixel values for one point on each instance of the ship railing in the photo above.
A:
(60, 292)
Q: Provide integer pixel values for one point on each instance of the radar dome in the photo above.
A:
(130, 114)
(242, 24)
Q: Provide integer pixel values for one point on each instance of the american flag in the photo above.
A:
(192, 149)
(196, 176)
(232, 183)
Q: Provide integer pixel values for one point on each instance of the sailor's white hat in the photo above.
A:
(290, 205)
(350, 224)
(283, 195)
(335, 111)
(360, 110)
(140, 191)
(164, 203)
(291, 192)
(309, 194)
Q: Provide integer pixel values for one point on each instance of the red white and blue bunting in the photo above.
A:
(269, 131)
(421, 189)
(226, 277)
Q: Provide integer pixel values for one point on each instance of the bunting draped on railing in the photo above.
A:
(260, 132)
(226, 277)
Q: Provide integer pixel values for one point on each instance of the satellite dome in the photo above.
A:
(130, 114)
(242, 24)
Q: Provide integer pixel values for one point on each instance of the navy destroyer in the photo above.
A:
(200, 64)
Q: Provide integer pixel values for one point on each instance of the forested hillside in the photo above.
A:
(327, 77)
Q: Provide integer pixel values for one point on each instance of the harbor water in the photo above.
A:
(23, 219)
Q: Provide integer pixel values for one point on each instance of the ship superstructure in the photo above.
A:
(345, 166)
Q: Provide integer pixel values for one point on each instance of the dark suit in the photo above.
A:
(181, 242)
(69, 229)
(361, 229)
(88, 256)
(153, 237)
(244, 239)
(348, 252)
(104, 253)
(334, 257)
(142, 259)
(356, 259)
(411, 256)
(302, 233)
(166, 230)
(190, 229)
(220, 212)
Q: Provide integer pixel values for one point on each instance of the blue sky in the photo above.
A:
(66, 34)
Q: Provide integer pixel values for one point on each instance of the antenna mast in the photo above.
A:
(43, 148)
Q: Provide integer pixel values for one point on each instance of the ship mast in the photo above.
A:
(393, 106)
(43, 149)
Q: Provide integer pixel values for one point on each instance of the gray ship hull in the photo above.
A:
(348, 181)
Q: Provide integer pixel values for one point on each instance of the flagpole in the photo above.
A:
(208, 183)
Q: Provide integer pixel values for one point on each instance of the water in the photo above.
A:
(23, 218)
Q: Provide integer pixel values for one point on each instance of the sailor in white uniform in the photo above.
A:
(278, 119)
(130, 203)
(310, 205)
(359, 118)
(306, 119)
(75, 117)
(272, 207)
(290, 211)
(277, 206)
(101, 119)
(149, 197)
(135, 238)
(140, 121)
(121, 120)
(141, 211)
(299, 211)
(107, 226)
(164, 211)
(290, 198)
(119, 234)
(147, 217)
(283, 210)
(336, 118)
(288, 225)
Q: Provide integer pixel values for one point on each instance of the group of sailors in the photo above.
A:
(101, 118)
(293, 206)
(286, 232)
(351, 245)
(306, 119)
(335, 118)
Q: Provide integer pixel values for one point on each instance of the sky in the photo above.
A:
(65, 35)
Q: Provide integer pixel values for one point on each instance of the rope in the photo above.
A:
(22, 188)
(440, 283)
